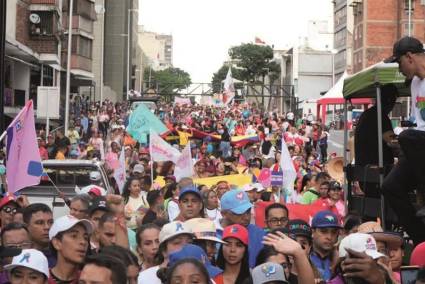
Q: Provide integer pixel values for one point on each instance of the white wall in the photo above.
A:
(11, 19)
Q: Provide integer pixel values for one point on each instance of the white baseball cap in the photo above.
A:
(248, 187)
(95, 176)
(258, 186)
(138, 168)
(30, 258)
(173, 229)
(359, 242)
(65, 223)
(203, 229)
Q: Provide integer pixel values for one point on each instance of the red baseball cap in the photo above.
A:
(95, 191)
(236, 231)
(7, 199)
(418, 255)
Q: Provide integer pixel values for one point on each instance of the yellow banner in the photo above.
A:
(238, 180)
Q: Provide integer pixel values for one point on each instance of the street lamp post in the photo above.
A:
(68, 65)
(129, 48)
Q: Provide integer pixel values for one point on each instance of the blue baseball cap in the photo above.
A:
(325, 219)
(193, 251)
(236, 201)
(190, 189)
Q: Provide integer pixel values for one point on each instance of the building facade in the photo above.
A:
(343, 37)
(36, 48)
(118, 14)
(378, 24)
(310, 73)
(158, 49)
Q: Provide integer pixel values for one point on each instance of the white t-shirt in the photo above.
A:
(215, 216)
(173, 210)
(149, 276)
(418, 102)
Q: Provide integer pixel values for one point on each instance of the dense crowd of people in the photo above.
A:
(163, 229)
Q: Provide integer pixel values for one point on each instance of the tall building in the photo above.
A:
(33, 44)
(118, 14)
(378, 24)
(158, 49)
(36, 48)
(310, 73)
(343, 37)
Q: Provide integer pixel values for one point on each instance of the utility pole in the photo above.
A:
(68, 66)
(2, 55)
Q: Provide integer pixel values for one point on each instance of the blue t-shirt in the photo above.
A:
(323, 265)
(255, 244)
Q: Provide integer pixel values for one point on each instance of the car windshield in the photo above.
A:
(149, 105)
(69, 177)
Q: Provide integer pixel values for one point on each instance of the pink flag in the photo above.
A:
(119, 173)
(184, 164)
(23, 166)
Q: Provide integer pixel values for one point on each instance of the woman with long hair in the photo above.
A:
(171, 201)
(134, 198)
(211, 207)
(233, 256)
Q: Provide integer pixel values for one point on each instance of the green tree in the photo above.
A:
(169, 81)
(254, 61)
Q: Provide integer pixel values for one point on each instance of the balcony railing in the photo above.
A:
(44, 2)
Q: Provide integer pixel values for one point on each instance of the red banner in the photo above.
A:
(296, 211)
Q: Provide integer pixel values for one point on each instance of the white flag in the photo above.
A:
(184, 164)
(119, 173)
(160, 150)
(229, 88)
(288, 169)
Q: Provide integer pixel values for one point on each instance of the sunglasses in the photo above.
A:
(10, 210)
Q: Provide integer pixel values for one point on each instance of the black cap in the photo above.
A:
(403, 46)
(9, 252)
(334, 185)
(98, 203)
(298, 227)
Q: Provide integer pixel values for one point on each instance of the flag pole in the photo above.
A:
(150, 155)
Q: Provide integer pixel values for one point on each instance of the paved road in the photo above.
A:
(336, 142)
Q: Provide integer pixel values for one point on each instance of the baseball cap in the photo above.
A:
(138, 168)
(334, 185)
(392, 239)
(248, 187)
(30, 258)
(403, 46)
(94, 176)
(193, 251)
(65, 223)
(93, 189)
(173, 229)
(418, 255)
(236, 231)
(268, 272)
(359, 242)
(6, 200)
(258, 186)
(203, 229)
(325, 219)
(190, 189)
(298, 227)
(98, 203)
(236, 201)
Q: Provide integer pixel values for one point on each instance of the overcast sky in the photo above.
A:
(204, 30)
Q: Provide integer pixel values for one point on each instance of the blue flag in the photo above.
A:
(142, 120)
